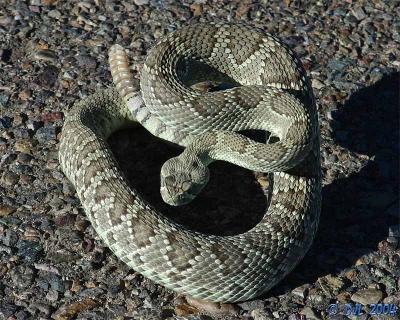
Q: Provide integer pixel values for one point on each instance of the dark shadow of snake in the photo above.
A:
(355, 210)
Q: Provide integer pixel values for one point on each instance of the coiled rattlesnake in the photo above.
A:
(270, 91)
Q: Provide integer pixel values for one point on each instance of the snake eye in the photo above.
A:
(186, 186)
(169, 180)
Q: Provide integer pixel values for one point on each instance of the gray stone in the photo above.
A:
(22, 276)
(55, 14)
(367, 296)
(359, 13)
(85, 61)
(261, 314)
(141, 2)
(5, 122)
(45, 55)
(30, 251)
(45, 134)
(310, 314)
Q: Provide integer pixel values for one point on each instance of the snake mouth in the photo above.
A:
(177, 199)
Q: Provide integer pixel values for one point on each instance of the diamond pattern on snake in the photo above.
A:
(269, 91)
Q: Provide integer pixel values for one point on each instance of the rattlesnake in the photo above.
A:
(269, 91)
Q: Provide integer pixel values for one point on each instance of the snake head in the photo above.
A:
(182, 179)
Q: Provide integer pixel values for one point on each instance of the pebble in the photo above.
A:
(7, 310)
(6, 210)
(45, 55)
(359, 13)
(47, 78)
(25, 94)
(10, 178)
(317, 84)
(184, 309)
(86, 61)
(331, 285)
(55, 14)
(3, 97)
(394, 235)
(252, 304)
(72, 310)
(301, 291)
(30, 251)
(223, 308)
(367, 296)
(5, 122)
(309, 313)
(22, 315)
(261, 314)
(46, 134)
(141, 2)
(22, 276)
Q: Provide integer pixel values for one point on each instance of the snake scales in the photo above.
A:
(270, 91)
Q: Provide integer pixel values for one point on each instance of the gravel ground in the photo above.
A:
(52, 53)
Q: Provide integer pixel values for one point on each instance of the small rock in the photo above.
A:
(46, 133)
(359, 13)
(141, 2)
(52, 295)
(6, 210)
(310, 314)
(22, 276)
(394, 235)
(212, 307)
(252, 304)
(11, 238)
(3, 97)
(24, 146)
(351, 274)
(5, 122)
(331, 285)
(22, 315)
(26, 179)
(7, 310)
(72, 310)
(85, 61)
(56, 283)
(22, 133)
(24, 158)
(301, 291)
(395, 299)
(315, 296)
(10, 178)
(367, 296)
(184, 310)
(48, 2)
(5, 20)
(55, 14)
(52, 116)
(317, 84)
(45, 55)
(47, 79)
(343, 297)
(261, 314)
(30, 251)
(296, 316)
(44, 308)
(25, 94)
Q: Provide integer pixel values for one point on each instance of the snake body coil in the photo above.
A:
(270, 91)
